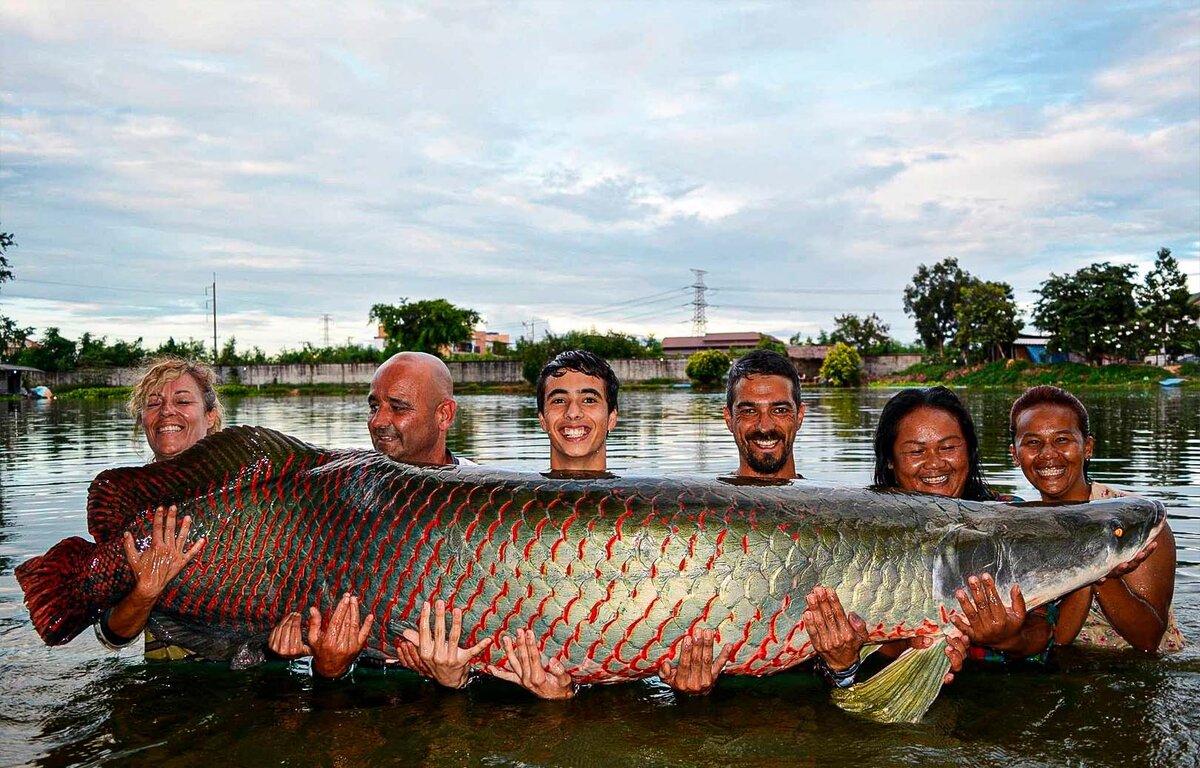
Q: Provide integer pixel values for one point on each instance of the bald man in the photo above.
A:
(412, 408)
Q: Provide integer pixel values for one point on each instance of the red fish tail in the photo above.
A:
(66, 588)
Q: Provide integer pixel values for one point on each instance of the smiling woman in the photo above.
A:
(175, 403)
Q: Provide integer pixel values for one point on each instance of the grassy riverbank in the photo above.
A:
(1021, 373)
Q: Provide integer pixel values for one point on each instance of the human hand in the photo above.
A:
(956, 650)
(528, 668)
(435, 654)
(285, 640)
(337, 645)
(167, 555)
(985, 620)
(1130, 565)
(697, 671)
(836, 637)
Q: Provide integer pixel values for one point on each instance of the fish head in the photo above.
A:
(1048, 550)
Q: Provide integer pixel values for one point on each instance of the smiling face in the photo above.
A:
(1050, 449)
(764, 421)
(930, 454)
(411, 409)
(174, 419)
(575, 415)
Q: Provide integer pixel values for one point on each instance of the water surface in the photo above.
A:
(81, 705)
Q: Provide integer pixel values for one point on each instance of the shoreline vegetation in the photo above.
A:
(1016, 374)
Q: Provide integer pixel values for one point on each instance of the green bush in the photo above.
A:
(708, 367)
(842, 366)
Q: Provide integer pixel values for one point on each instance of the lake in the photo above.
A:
(81, 705)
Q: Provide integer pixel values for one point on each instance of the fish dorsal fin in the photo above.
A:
(116, 496)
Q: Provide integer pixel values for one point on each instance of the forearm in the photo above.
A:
(1072, 613)
(1031, 639)
(128, 617)
(1134, 617)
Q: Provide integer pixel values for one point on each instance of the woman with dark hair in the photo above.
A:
(1052, 443)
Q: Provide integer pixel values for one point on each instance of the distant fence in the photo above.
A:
(359, 374)
(465, 372)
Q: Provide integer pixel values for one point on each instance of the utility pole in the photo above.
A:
(214, 310)
(699, 304)
(325, 321)
(531, 326)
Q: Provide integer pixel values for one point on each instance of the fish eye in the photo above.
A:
(1117, 529)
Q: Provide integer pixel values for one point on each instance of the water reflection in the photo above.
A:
(78, 705)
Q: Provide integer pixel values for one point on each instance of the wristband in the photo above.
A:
(839, 679)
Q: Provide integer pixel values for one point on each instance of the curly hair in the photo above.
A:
(157, 372)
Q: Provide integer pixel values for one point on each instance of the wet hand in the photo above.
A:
(285, 640)
(167, 555)
(985, 619)
(433, 653)
(337, 645)
(697, 671)
(836, 637)
(956, 650)
(529, 669)
(1131, 565)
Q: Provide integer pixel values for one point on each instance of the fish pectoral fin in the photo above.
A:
(903, 691)
(205, 641)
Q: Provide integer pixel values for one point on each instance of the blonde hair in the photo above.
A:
(157, 372)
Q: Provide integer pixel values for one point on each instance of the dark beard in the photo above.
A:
(765, 465)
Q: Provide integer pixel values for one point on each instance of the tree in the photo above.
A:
(611, 345)
(931, 300)
(1168, 317)
(12, 336)
(707, 367)
(98, 353)
(988, 321)
(53, 353)
(842, 366)
(424, 326)
(187, 350)
(766, 342)
(1092, 312)
(862, 333)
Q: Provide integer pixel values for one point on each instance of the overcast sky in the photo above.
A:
(572, 162)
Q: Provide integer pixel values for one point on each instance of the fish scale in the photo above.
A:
(609, 573)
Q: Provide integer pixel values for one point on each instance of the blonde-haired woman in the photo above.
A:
(175, 403)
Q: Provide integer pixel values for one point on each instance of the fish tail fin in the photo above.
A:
(903, 691)
(57, 607)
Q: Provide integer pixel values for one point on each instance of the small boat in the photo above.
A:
(41, 393)
(1171, 382)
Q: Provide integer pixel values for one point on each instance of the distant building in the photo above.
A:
(808, 358)
(1035, 350)
(682, 346)
(485, 343)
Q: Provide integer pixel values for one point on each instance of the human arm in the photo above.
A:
(697, 671)
(334, 646)
(434, 653)
(1136, 595)
(986, 621)
(153, 569)
(530, 670)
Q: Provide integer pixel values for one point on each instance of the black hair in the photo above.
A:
(905, 402)
(1045, 394)
(581, 362)
(761, 362)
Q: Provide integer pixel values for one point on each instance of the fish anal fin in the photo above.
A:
(205, 641)
(903, 691)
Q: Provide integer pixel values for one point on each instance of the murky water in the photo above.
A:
(80, 705)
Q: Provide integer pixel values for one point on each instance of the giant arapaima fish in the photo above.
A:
(609, 573)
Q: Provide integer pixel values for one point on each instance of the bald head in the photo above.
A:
(412, 408)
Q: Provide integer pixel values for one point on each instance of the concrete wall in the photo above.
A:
(359, 374)
(875, 366)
